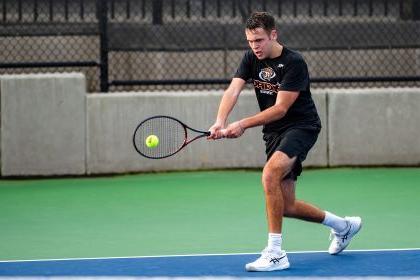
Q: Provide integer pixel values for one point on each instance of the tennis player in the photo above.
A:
(290, 128)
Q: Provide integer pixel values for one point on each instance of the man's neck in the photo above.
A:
(276, 51)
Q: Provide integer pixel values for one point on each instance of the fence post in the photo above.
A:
(410, 9)
(157, 12)
(244, 11)
(103, 38)
(416, 10)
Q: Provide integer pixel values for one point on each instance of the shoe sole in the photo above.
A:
(269, 269)
(360, 227)
(253, 269)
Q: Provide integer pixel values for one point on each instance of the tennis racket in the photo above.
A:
(171, 133)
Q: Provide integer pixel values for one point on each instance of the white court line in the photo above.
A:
(212, 278)
(200, 255)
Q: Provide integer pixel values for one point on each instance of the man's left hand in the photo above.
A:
(233, 130)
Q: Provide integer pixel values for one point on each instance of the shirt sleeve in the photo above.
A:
(245, 68)
(296, 77)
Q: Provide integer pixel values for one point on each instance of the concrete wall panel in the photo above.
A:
(43, 124)
(113, 118)
(374, 127)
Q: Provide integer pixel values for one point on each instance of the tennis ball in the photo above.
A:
(152, 141)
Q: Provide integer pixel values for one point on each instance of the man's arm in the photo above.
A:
(284, 101)
(227, 103)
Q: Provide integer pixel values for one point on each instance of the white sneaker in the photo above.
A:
(269, 261)
(340, 240)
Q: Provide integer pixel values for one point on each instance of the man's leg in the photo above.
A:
(342, 229)
(278, 166)
(297, 208)
(272, 257)
(280, 195)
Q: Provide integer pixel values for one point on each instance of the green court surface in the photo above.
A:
(197, 213)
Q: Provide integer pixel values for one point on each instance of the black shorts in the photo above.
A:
(293, 142)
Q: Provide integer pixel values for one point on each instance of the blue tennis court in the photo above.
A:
(388, 263)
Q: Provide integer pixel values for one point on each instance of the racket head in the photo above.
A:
(171, 132)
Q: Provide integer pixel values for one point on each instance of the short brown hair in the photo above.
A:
(261, 20)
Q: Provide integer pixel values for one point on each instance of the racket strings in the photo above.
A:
(171, 135)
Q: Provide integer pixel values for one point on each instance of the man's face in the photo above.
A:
(260, 42)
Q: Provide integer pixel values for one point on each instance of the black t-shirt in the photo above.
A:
(287, 72)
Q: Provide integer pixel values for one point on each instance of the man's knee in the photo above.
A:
(289, 210)
(276, 168)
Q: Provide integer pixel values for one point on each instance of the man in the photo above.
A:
(290, 126)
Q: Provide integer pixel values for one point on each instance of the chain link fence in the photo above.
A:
(197, 44)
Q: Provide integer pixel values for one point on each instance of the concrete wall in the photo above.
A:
(374, 127)
(318, 155)
(113, 118)
(43, 121)
(50, 126)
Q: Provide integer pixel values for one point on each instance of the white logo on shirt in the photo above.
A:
(267, 74)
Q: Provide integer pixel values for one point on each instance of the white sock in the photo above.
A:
(337, 223)
(274, 241)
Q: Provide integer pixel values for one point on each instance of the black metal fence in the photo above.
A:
(196, 44)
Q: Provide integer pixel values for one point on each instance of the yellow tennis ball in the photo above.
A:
(152, 141)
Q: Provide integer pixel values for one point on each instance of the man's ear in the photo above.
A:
(273, 34)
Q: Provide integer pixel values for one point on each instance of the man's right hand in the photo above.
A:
(215, 131)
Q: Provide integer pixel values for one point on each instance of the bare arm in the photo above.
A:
(284, 100)
(227, 103)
